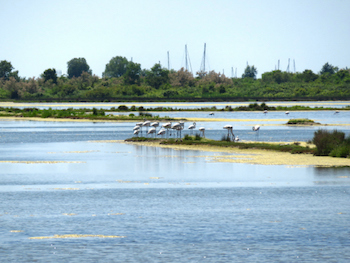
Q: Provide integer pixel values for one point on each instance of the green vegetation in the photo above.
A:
(294, 148)
(332, 143)
(70, 113)
(301, 122)
(327, 144)
(125, 80)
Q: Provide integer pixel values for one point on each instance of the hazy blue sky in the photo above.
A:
(39, 34)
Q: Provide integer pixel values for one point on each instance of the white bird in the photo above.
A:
(192, 127)
(265, 111)
(212, 113)
(180, 127)
(154, 124)
(161, 132)
(287, 112)
(229, 129)
(152, 130)
(256, 127)
(136, 128)
(236, 139)
(146, 124)
(177, 126)
(167, 126)
(336, 112)
(202, 130)
(140, 125)
(136, 132)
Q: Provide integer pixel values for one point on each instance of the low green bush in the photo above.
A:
(331, 143)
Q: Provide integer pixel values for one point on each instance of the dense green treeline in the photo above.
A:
(125, 80)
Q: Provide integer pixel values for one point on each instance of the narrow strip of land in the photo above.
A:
(256, 156)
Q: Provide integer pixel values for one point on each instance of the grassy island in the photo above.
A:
(302, 122)
(333, 144)
(293, 148)
(78, 114)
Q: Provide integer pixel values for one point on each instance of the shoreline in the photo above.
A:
(11, 118)
(256, 156)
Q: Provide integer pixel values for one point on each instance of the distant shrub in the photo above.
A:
(197, 137)
(301, 121)
(96, 112)
(123, 108)
(188, 138)
(326, 141)
(145, 114)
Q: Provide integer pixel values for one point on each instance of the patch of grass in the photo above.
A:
(292, 148)
(70, 113)
(301, 122)
(331, 143)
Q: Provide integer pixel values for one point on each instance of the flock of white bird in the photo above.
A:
(179, 126)
(166, 128)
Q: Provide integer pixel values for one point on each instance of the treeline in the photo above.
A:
(124, 80)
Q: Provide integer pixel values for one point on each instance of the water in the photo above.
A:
(170, 205)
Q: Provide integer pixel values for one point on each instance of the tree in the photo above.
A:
(77, 66)
(50, 74)
(132, 74)
(308, 75)
(250, 72)
(6, 70)
(181, 78)
(116, 67)
(328, 68)
(157, 76)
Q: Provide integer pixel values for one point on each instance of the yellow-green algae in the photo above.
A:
(75, 236)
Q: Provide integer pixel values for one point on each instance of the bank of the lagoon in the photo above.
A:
(256, 156)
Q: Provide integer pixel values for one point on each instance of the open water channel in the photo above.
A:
(70, 193)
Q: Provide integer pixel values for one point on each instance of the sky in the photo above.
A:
(38, 34)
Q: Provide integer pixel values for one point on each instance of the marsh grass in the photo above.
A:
(70, 113)
(301, 122)
(331, 143)
(292, 148)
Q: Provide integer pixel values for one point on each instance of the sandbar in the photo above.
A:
(255, 156)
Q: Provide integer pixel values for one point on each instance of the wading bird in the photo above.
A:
(287, 112)
(146, 124)
(202, 130)
(211, 114)
(136, 132)
(161, 132)
(192, 127)
(178, 127)
(265, 111)
(229, 129)
(154, 124)
(152, 130)
(139, 124)
(167, 126)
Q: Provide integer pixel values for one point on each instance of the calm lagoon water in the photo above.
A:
(169, 205)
